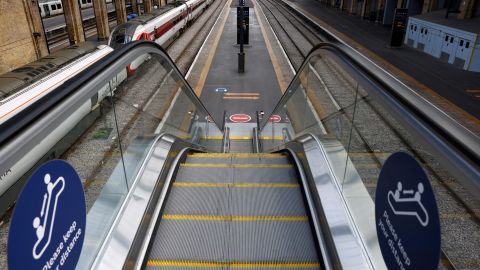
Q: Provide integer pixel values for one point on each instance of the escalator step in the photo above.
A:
(158, 264)
(233, 239)
(235, 199)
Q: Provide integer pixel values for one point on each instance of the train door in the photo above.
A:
(47, 10)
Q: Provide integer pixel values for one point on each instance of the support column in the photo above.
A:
(36, 27)
(134, 6)
(353, 6)
(73, 20)
(163, 2)
(147, 6)
(427, 6)
(466, 9)
(121, 11)
(101, 18)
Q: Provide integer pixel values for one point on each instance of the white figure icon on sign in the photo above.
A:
(408, 203)
(44, 223)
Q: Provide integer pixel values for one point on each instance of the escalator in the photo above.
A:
(240, 210)
(170, 188)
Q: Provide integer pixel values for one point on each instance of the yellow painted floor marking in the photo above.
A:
(273, 57)
(239, 155)
(240, 97)
(233, 138)
(211, 54)
(241, 94)
(226, 265)
(225, 165)
(235, 185)
(234, 218)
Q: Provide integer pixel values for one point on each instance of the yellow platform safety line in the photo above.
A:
(238, 155)
(235, 185)
(241, 94)
(226, 165)
(241, 97)
(203, 264)
(234, 218)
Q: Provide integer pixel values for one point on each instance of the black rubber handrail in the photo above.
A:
(440, 125)
(29, 115)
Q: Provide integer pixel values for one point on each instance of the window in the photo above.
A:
(59, 6)
(467, 44)
(461, 42)
(54, 7)
(84, 2)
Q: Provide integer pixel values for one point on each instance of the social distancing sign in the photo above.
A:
(406, 213)
(48, 222)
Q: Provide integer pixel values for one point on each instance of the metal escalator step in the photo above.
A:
(264, 175)
(235, 199)
(190, 240)
(208, 175)
(272, 241)
(238, 173)
(234, 239)
(158, 264)
(241, 146)
(267, 202)
(197, 201)
(237, 158)
(238, 155)
(238, 165)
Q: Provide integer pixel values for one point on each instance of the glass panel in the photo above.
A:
(335, 102)
(109, 136)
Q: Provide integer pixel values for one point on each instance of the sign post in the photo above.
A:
(48, 223)
(399, 27)
(406, 215)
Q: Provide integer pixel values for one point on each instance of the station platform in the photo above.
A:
(215, 76)
(455, 90)
(220, 169)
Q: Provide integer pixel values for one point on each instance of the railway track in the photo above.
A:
(60, 40)
(459, 216)
(137, 108)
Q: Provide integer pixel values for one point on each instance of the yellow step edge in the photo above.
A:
(237, 155)
(235, 138)
(226, 165)
(171, 263)
(233, 218)
(235, 185)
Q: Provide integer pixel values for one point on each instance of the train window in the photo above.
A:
(54, 7)
(426, 31)
(461, 42)
(451, 39)
(467, 44)
(59, 6)
(84, 1)
(446, 37)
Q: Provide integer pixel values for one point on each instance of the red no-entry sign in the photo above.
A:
(240, 118)
(275, 118)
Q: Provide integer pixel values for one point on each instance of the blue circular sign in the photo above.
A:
(48, 224)
(406, 213)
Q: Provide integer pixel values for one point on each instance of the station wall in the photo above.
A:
(17, 44)
(457, 47)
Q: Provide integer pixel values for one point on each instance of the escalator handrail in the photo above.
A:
(453, 134)
(29, 115)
